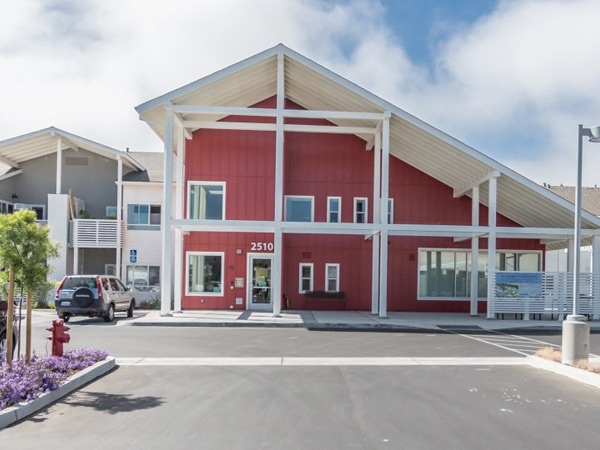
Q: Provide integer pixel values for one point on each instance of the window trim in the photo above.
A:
(366, 199)
(127, 266)
(301, 278)
(144, 226)
(187, 274)
(468, 251)
(312, 206)
(191, 183)
(339, 199)
(337, 278)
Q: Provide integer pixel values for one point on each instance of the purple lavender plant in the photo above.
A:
(20, 382)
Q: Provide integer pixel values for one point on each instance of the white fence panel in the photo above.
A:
(93, 233)
(555, 295)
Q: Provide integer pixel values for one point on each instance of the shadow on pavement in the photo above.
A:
(112, 403)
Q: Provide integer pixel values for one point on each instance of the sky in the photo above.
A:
(511, 78)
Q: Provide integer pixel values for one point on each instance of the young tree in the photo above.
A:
(25, 248)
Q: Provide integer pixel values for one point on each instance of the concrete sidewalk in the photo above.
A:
(341, 320)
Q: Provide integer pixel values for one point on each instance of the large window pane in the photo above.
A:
(298, 209)
(205, 273)
(206, 201)
(529, 262)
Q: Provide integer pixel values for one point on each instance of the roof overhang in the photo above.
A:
(45, 142)
(411, 140)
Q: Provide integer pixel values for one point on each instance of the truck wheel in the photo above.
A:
(110, 315)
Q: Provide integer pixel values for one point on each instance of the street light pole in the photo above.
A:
(576, 330)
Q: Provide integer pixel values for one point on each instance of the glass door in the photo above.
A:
(260, 282)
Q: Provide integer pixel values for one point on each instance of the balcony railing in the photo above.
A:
(97, 233)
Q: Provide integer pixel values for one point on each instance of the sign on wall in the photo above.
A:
(132, 256)
(519, 284)
(261, 246)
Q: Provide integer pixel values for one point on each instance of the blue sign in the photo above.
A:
(132, 256)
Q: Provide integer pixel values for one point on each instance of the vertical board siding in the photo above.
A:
(322, 165)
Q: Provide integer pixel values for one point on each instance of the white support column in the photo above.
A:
(383, 254)
(474, 252)
(165, 274)
(376, 219)
(119, 250)
(179, 177)
(491, 294)
(596, 276)
(278, 237)
(58, 165)
(75, 260)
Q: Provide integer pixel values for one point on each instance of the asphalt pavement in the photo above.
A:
(454, 389)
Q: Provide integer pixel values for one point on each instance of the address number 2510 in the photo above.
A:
(261, 246)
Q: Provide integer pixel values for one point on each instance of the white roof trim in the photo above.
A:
(71, 140)
(378, 101)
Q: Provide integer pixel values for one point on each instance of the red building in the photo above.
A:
(297, 189)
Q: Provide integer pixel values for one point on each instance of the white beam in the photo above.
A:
(383, 214)
(225, 110)
(314, 114)
(482, 179)
(58, 165)
(333, 129)
(119, 250)
(377, 220)
(491, 295)
(474, 252)
(179, 196)
(270, 112)
(179, 122)
(9, 162)
(165, 274)
(279, 155)
(206, 124)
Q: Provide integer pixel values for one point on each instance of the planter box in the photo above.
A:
(325, 301)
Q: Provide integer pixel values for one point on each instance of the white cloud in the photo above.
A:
(515, 84)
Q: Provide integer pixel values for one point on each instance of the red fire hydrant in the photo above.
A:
(60, 336)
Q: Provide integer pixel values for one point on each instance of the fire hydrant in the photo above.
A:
(60, 336)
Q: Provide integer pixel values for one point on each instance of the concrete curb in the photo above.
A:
(583, 376)
(15, 413)
(310, 326)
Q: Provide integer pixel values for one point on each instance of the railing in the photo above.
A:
(546, 293)
(97, 233)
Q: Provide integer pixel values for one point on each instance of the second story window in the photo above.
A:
(206, 200)
(143, 217)
(360, 210)
(299, 208)
(390, 211)
(334, 209)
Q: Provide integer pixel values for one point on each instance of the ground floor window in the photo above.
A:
(205, 273)
(143, 278)
(306, 277)
(332, 277)
(446, 274)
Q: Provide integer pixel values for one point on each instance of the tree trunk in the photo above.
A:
(19, 324)
(10, 315)
(28, 328)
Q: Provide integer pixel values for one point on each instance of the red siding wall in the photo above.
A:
(322, 165)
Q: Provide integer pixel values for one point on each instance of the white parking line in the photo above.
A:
(322, 361)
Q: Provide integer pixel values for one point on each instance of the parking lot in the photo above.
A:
(176, 404)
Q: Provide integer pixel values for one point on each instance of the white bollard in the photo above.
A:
(575, 339)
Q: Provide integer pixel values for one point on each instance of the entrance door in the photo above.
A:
(259, 284)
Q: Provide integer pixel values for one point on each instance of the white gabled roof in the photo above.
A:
(412, 140)
(33, 145)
